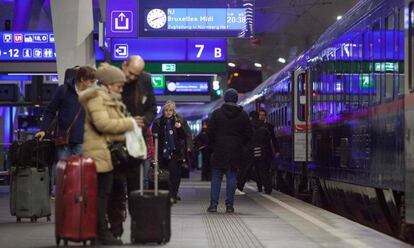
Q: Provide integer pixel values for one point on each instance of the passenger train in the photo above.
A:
(344, 118)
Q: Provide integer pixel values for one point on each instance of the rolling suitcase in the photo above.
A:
(150, 210)
(29, 193)
(29, 188)
(76, 197)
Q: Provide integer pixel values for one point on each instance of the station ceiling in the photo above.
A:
(283, 28)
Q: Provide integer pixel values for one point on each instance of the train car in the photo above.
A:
(343, 113)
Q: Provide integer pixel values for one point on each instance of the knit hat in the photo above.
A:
(110, 74)
(231, 96)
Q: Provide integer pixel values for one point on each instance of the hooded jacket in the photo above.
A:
(104, 123)
(228, 131)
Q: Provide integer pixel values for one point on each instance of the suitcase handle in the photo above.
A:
(141, 174)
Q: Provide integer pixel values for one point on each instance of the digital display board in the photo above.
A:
(188, 87)
(165, 49)
(181, 85)
(214, 18)
(27, 46)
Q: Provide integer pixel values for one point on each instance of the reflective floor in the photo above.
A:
(260, 220)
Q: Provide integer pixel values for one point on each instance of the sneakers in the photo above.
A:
(229, 209)
(238, 192)
(212, 209)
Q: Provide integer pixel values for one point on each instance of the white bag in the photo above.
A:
(135, 143)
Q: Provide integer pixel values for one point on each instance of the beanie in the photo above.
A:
(110, 74)
(231, 96)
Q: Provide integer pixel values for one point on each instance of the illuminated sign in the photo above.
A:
(25, 46)
(188, 87)
(170, 49)
(366, 81)
(121, 18)
(213, 18)
(386, 66)
(169, 67)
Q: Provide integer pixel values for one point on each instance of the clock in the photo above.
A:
(156, 18)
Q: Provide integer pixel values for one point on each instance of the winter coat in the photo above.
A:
(138, 96)
(228, 131)
(181, 136)
(105, 123)
(261, 141)
(65, 105)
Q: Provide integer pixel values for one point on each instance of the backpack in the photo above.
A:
(260, 141)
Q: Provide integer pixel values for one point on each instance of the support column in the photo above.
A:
(73, 29)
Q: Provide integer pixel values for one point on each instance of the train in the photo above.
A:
(343, 112)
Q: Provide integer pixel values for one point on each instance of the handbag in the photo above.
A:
(60, 136)
(119, 154)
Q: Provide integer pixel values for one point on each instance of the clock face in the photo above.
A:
(156, 18)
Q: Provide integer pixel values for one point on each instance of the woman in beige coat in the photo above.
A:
(105, 123)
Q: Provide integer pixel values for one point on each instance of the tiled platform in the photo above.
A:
(259, 221)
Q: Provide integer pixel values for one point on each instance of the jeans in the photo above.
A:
(231, 180)
(63, 152)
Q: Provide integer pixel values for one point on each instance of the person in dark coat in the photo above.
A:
(201, 145)
(138, 96)
(70, 115)
(228, 130)
(173, 133)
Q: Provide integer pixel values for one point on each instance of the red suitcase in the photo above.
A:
(75, 206)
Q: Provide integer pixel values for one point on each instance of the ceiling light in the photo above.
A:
(236, 74)
(338, 18)
(258, 65)
(281, 60)
(231, 64)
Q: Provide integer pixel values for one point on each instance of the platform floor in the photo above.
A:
(260, 220)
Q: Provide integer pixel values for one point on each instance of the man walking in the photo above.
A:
(228, 131)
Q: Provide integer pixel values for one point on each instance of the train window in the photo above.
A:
(387, 67)
(411, 47)
(301, 99)
(399, 76)
(374, 91)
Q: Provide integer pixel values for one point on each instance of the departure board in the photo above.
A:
(186, 18)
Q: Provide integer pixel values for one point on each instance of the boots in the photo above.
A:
(105, 237)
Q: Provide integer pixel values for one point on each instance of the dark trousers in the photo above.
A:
(104, 190)
(174, 168)
(126, 179)
(263, 175)
(205, 168)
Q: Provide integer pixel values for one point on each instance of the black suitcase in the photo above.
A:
(150, 211)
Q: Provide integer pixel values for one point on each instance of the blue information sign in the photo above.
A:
(121, 18)
(188, 87)
(184, 18)
(24, 46)
(177, 50)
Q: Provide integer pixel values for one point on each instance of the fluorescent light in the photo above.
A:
(281, 60)
(338, 17)
(231, 64)
(258, 65)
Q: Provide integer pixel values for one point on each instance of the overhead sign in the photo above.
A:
(188, 87)
(196, 19)
(170, 50)
(24, 46)
(121, 18)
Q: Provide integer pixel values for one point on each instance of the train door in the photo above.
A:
(302, 135)
(409, 112)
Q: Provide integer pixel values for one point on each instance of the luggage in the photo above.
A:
(150, 210)
(29, 193)
(32, 153)
(76, 199)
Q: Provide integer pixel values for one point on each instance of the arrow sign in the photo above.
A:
(122, 16)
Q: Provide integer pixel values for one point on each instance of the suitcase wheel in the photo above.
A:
(48, 218)
(84, 243)
(57, 241)
(65, 242)
(18, 219)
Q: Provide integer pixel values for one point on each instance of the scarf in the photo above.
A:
(169, 144)
(117, 98)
